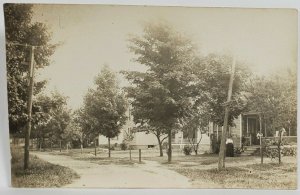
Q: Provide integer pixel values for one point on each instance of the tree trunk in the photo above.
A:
(160, 146)
(43, 144)
(108, 147)
(51, 145)
(40, 145)
(170, 145)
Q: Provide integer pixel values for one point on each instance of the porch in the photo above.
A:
(252, 123)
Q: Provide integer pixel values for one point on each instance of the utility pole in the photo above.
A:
(221, 163)
(29, 108)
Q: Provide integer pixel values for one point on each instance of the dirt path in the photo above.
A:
(148, 175)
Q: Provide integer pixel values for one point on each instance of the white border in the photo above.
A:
(4, 141)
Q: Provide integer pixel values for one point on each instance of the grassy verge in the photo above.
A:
(255, 176)
(40, 174)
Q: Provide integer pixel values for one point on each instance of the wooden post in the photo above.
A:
(130, 153)
(170, 145)
(108, 147)
(221, 162)
(81, 144)
(279, 145)
(247, 126)
(140, 155)
(59, 145)
(29, 109)
(260, 141)
(95, 147)
(217, 133)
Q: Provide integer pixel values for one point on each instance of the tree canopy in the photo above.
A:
(105, 105)
(275, 97)
(162, 93)
(20, 29)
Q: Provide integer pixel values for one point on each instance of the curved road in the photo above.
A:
(92, 175)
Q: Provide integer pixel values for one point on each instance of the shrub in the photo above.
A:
(187, 150)
(123, 146)
(272, 153)
(289, 151)
(237, 151)
(165, 145)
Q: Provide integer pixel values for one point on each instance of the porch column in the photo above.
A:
(241, 130)
(260, 123)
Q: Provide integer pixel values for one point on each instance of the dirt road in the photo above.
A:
(148, 175)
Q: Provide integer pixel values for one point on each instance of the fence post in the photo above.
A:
(279, 144)
(59, 145)
(95, 148)
(261, 151)
(140, 155)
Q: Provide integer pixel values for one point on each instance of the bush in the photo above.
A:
(289, 151)
(237, 151)
(123, 146)
(187, 150)
(272, 153)
(165, 145)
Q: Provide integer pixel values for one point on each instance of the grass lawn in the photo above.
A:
(241, 172)
(40, 174)
(101, 159)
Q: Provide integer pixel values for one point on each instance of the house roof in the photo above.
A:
(251, 113)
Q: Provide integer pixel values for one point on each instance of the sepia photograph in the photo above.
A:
(164, 97)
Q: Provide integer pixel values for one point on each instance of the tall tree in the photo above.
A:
(19, 29)
(106, 106)
(161, 93)
(213, 73)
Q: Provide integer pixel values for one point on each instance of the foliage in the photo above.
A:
(74, 132)
(289, 151)
(123, 146)
(196, 121)
(51, 116)
(213, 73)
(276, 98)
(237, 151)
(161, 93)
(187, 150)
(104, 110)
(20, 29)
(105, 105)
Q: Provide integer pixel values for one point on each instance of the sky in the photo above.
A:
(91, 36)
